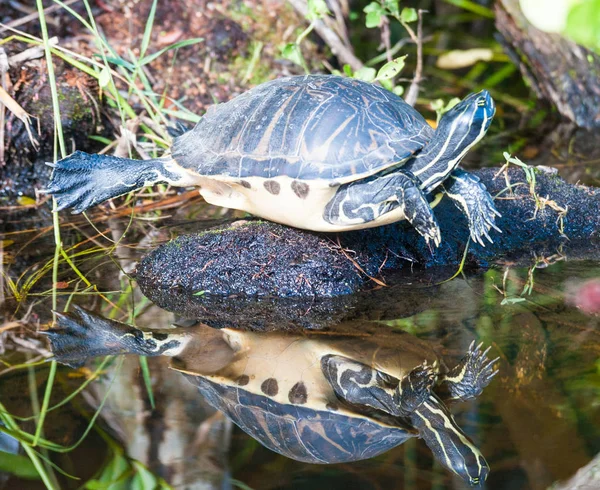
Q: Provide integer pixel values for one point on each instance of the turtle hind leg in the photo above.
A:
(415, 388)
(83, 180)
(473, 199)
(80, 335)
(468, 379)
(370, 199)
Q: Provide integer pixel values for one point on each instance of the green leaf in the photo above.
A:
(291, 51)
(374, 13)
(18, 465)
(392, 6)
(583, 24)
(373, 20)
(366, 74)
(316, 9)
(177, 45)
(348, 70)
(199, 293)
(398, 90)
(391, 69)
(104, 77)
(408, 15)
(148, 29)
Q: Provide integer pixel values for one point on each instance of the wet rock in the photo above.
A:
(269, 260)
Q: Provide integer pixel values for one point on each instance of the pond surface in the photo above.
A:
(538, 421)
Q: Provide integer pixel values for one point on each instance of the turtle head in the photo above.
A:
(448, 443)
(467, 122)
(462, 457)
(458, 131)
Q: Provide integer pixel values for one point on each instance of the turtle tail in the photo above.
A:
(82, 180)
(81, 335)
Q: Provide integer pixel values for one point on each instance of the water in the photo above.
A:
(537, 423)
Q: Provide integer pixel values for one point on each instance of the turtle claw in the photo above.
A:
(473, 199)
(416, 388)
(420, 215)
(472, 374)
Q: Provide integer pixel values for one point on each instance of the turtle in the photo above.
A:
(311, 397)
(318, 152)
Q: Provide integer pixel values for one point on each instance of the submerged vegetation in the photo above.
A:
(111, 77)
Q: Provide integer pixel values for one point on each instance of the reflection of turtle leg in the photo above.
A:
(473, 199)
(468, 379)
(359, 384)
(448, 443)
(80, 335)
(82, 180)
(368, 199)
(415, 388)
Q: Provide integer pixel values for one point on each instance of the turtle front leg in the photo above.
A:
(80, 335)
(473, 199)
(370, 199)
(359, 384)
(468, 379)
(415, 388)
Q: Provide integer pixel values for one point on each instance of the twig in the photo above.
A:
(339, 22)
(413, 90)
(34, 16)
(30, 54)
(343, 53)
(385, 37)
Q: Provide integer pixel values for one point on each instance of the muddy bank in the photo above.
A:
(269, 260)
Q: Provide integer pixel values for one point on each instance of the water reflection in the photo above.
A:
(351, 394)
(537, 423)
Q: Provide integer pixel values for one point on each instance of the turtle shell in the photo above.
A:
(305, 127)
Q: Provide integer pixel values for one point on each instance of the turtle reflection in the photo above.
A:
(318, 398)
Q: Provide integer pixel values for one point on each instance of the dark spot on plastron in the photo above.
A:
(331, 406)
(160, 336)
(243, 380)
(270, 387)
(300, 189)
(272, 186)
(298, 394)
(246, 184)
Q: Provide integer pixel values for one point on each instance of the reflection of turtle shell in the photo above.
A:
(313, 435)
(274, 389)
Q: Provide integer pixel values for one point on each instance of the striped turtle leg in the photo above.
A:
(473, 199)
(81, 334)
(448, 443)
(415, 388)
(81, 180)
(470, 376)
(368, 199)
(412, 399)
(360, 384)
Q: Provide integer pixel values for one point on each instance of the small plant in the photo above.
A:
(540, 202)
(316, 10)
